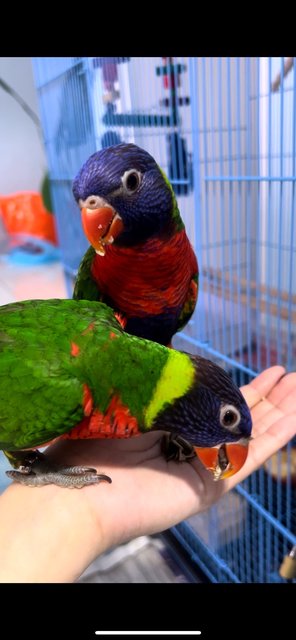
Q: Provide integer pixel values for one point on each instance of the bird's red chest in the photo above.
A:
(116, 422)
(148, 278)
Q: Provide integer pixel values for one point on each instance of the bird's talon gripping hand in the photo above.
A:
(68, 481)
(76, 471)
(38, 471)
(174, 447)
(24, 470)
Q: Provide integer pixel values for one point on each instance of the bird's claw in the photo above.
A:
(174, 447)
(37, 471)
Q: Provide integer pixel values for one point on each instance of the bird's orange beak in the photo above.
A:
(225, 460)
(101, 227)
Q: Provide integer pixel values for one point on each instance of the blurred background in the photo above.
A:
(224, 131)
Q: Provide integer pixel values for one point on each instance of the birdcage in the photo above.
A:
(224, 131)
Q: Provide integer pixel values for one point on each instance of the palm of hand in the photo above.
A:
(149, 494)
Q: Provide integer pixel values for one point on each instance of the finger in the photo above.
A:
(286, 387)
(265, 417)
(283, 402)
(263, 447)
(261, 386)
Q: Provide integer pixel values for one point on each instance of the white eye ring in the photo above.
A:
(229, 417)
(131, 180)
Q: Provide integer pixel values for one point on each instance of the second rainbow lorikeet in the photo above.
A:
(68, 369)
(141, 262)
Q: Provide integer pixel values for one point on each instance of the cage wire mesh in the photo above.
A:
(223, 129)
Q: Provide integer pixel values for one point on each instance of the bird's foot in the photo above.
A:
(35, 470)
(174, 447)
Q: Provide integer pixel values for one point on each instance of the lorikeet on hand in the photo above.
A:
(141, 262)
(68, 369)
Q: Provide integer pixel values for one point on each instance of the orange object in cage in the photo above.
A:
(24, 212)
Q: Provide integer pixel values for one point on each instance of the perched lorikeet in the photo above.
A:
(68, 368)
(141, 262)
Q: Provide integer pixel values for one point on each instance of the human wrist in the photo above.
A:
(53, 539)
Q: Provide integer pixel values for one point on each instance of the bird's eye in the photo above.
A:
(229, 417)
(131, 180)
(92, 202)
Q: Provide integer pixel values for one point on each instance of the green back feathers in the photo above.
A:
(40, 386)
(51, 349)
(85, 286)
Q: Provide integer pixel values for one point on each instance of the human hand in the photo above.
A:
(149, 494)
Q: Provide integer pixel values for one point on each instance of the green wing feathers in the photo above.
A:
(85, 286)
(41, 383)
(51, 351)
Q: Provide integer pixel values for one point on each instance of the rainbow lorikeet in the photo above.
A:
(141, 262)
(68, 369)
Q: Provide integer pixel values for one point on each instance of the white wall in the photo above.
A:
(22, 158)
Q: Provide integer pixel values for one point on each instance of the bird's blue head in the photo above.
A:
(213, 417)
(124, 197)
